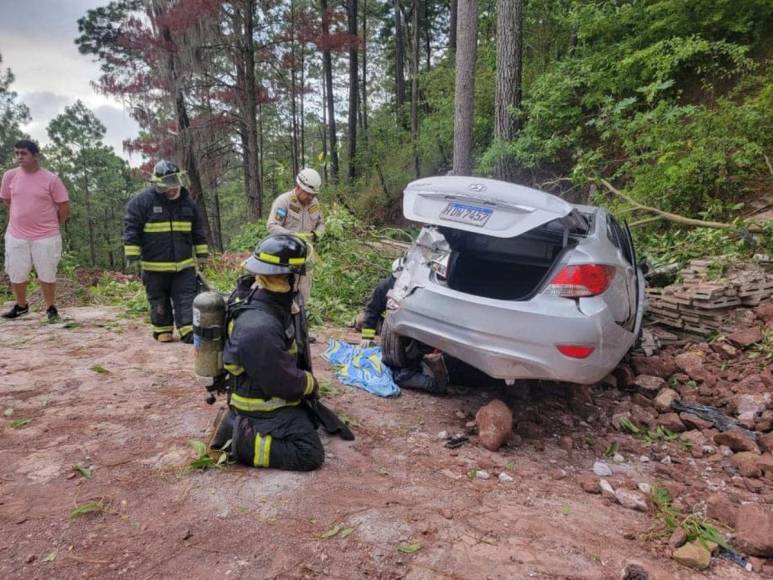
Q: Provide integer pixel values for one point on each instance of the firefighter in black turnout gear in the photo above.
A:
(375, 309)
(164, 231)
(273, 394)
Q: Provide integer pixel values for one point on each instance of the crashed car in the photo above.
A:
(515, 282)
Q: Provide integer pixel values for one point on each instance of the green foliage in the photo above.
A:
(129, 294)
(204, 460)
(697, 528)
(90, 507)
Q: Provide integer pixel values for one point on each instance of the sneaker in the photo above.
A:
(17, 311)
(164, 337)
(52, 313)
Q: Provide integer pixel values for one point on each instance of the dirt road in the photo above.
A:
(100, 394)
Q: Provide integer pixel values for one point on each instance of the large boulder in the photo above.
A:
(664, 399)
(754, 530)
(661, 365)
(649, 385)
(495, 423)
(736, 440)
(746, 336)
(691, 363)
(693, 555)
(720, 508)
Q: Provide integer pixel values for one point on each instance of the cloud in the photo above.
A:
(119, 126)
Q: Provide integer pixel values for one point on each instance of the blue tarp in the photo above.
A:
(361, 367)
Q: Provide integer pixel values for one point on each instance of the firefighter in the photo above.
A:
(373, 315)
(298, 212)
(269, 422)
(164, 231)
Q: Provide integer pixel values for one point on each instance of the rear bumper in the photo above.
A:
(516, 340)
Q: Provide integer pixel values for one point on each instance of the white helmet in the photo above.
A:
(309, 180)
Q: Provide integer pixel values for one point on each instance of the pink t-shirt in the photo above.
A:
(34, 202)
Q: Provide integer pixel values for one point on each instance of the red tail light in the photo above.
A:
(575, 350)
(580, 281)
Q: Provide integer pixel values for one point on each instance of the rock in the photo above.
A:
(754, 403)
(664, 399)
(678, 538)
(482, 474)
(644, 459)
(558, 474)
(566, 443)
(765, 313)
(720, 508)
(736, 440)
(642, 401)
(617, 419)
(588, 483)
(649, 385)
(765, 462)
(187, 534)
(695, 422)
(447, 513)
(495, 423)
(30, 559)
(442, 435)
(746, 464)
(693, 555)
(754, 530)
(460, 415)
(691, 363)
(602, 469)
(746, 336)
(642, 417)
(750, 384)
(694, 437)
(661, 365)
(618, 458)
(670, 421)
(607, 490)
(504, 477)
(635, 571)
(470, 425)
(632, 500)
(644, 487)
(764, 423)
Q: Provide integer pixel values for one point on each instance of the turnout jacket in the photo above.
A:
(288, 216)
(261, 356)
(376, 307)
(164, 234)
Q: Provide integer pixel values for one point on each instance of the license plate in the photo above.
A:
(466, 214)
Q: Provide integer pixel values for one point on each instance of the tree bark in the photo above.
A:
(452, 23)
(354, 87)
(415, 89)
(427, 33)
(508, 86)
(364, 103)
(399, 59)
(327, 66)
(293, 94)
(467, 35)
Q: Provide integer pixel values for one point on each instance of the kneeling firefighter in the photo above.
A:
(273, 396)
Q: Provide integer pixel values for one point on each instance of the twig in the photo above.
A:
(678, 218)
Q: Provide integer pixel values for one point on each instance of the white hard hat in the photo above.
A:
(397, 266)
(309, 180)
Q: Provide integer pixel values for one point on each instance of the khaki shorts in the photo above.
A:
(22, 255)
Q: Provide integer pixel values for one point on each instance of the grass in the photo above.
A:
(19, 423)
(650, 436)
(90, 507)
(697, 528)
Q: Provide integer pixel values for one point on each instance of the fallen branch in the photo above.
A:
(678, 218)
(648, 220)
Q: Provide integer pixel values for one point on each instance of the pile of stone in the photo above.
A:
(703, 306)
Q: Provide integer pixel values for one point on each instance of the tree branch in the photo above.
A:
(678, 218)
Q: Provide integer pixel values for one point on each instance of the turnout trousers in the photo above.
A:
(171, 295)
(282, 439)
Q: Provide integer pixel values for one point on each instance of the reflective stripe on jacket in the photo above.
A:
(164, 234)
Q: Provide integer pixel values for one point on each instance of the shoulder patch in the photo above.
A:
(281, 213)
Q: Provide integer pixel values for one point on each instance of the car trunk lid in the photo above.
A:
(483, 206)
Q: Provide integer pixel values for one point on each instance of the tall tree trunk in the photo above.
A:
(427, 32)
(293, 93)
(399, 59)
(185, 140)
(415, 88)
(217, 233)
(354, 89)
(323, 129)
(89, 220)
(467, 34)
(452, 24)
(261, 168)
(303, 99)
(327, 67)
(508, 89)
(364, 103)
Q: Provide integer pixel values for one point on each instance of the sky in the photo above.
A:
(37, 44)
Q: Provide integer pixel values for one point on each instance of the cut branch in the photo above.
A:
(678, 218)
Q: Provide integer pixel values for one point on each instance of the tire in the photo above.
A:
(396, 350)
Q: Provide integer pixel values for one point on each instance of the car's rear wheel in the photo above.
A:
(397, 351)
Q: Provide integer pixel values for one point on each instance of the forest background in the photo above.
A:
(671, 101)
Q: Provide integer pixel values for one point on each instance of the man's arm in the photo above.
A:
(278, 217)
(200, 247)
(375, 308)
(133, 223)
(63, 211)
(265, 360)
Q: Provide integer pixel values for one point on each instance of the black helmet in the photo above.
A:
(167, 175)
(278, 254)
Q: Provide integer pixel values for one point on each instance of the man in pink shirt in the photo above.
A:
(38, 204)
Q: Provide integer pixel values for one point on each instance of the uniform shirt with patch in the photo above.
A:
(288, 216)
